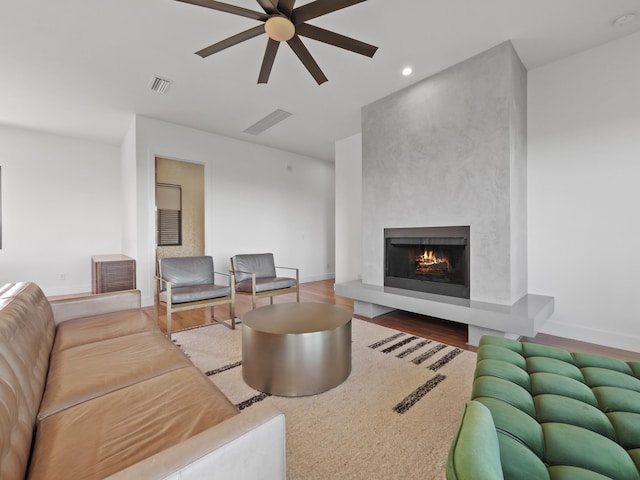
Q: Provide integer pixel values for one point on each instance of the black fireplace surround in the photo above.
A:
(428, 259)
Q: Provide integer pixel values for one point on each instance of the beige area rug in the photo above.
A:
(393, 418)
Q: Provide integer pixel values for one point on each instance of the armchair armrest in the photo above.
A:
(288, 268)
(253, 275)
(159, 285)
(230, 275)
(90, 304)
(297, 270)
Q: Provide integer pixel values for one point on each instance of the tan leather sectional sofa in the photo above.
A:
(90, 388)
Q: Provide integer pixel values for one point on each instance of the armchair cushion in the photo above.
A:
(266, 284)
(262, 264)
(196, 293)
(186, 271)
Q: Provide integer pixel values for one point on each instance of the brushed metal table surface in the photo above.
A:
(296, 349)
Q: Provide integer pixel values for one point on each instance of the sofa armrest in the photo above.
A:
(89, 305)
(475, 452)
(248, 445)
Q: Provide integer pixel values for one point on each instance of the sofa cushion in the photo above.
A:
(635, 456)
(81, 331)
(571, 445)
(101, 436)
(518, 462)
(587, 406)
(515, 423)
(583, 360)
(627, 426)
(567, 472)
(545, 382)
(84, 372)
(508, 392)
(495, 352)
(559, 409)
(614, 399)
(504, 370)
(26, 337)
(602, 377)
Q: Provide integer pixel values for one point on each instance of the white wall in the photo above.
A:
(258, 199)
(584, 198)
(61, 204)
(129, 195)
(348, 167)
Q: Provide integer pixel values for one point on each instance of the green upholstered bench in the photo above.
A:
(538, 412)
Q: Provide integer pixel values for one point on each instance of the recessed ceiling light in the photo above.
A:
(406, 71)
(624, 19)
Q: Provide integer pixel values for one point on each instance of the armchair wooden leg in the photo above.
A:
(168, 322)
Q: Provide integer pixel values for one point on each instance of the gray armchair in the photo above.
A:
(255, 275)
(186, 283)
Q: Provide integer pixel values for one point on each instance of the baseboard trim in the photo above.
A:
(317, 278)
(592, 335)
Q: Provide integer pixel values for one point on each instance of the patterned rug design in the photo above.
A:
(394, 417)
(417, 345)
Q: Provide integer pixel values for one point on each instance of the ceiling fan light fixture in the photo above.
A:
(279, 28)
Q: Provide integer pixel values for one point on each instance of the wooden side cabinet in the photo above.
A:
(110, 273)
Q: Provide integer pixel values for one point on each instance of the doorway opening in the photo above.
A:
(182, 211)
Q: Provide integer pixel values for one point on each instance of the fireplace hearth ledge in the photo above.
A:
(524, 318)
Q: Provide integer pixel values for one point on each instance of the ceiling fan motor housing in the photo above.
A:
(279, 28)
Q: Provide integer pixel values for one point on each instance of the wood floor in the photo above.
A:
(443, 331)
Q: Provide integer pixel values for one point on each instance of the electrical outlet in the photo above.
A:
(63, 276)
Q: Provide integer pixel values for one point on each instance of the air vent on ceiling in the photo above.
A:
(267, 122)
(160, 85)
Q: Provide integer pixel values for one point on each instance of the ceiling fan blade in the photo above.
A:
(231, 41)
(286, 6)
(307, 60)
(267, 61)
(335, 39)
(318, 8)
(269, 7)
(225, 7)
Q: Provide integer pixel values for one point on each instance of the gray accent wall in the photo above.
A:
(451, 150)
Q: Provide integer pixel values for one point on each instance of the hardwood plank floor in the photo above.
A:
(443, 331)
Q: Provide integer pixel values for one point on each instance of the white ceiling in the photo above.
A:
(83, 67)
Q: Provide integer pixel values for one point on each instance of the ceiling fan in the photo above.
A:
(283, 23)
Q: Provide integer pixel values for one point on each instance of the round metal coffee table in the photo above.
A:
(296, 349)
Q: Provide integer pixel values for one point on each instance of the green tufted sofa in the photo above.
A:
(538, 412)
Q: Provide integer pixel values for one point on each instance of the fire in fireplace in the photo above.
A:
(428, 259)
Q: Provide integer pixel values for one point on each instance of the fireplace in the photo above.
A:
(428, 259)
